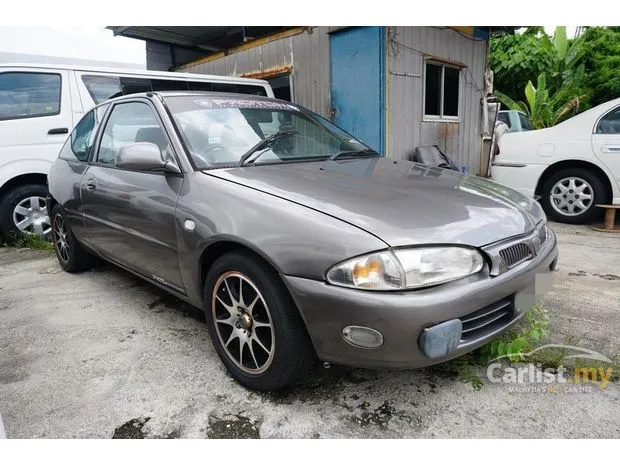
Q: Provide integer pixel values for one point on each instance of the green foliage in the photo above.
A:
(544, 110)
(30, 241)
(464, 368)
(601, 61)
(521, 339)
(579, 73)
(517, 59)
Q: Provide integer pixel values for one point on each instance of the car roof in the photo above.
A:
(137, 72)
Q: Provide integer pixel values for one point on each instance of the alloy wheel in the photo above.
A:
(243, 323)
(30, 216)
(60, 238)
(571, 196)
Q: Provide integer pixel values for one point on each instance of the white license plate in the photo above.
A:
(536, 289)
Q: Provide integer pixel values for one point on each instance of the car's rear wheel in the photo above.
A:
(23, 210)
(254, 324)
(71, 255)
(571, 195)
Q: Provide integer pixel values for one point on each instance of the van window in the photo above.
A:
(102, 88)
(168, 84)
(27, 95)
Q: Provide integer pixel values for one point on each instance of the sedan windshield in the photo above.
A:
(226, 131)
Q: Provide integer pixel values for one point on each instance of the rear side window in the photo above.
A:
(78, 145)
(28, 95)
(610, 123)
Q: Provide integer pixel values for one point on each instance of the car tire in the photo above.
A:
(72, 256)
(265, 313)
(567, 187)
(20, 197)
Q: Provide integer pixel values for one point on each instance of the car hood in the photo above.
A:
(400, 202)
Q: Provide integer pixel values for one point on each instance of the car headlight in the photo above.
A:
(406, 268)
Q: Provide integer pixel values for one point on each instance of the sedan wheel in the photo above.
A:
(254, 324)
(571, 196)
(243, 322)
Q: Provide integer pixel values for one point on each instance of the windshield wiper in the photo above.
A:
(263, 144)
(353, 152)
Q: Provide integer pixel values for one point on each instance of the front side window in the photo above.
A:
(218, 132)
(441, 91)
(28, 95)
(610, 123)
(78, 145)
(128, 124)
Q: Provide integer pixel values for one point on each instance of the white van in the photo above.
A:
(40, 104)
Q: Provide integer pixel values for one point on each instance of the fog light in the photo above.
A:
(360, 336)
(442, 339)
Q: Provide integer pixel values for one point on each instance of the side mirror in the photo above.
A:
(144, 156)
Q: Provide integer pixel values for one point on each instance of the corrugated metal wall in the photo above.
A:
(308, 53)
(406, 126)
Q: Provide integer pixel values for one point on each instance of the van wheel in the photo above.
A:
(71, 255)
(23, 210)
(254, 324)
(571, 195)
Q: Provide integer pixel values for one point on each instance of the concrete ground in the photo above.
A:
(103, 354)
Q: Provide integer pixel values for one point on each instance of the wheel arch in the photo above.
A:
(21, 180)
(564, 164)
(222, 246)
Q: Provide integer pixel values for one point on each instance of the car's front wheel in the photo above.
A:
(70, 253)
(571, 195)
(254, 324)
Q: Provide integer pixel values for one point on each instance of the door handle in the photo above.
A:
(610, 148)
(58, 131)
(90, 184)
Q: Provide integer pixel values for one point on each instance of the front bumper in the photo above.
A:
(401, 317)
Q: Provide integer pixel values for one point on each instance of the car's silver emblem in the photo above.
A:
(189, 225)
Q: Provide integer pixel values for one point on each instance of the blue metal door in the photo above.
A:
(358, 83)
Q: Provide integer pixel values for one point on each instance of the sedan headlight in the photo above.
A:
(406, 268)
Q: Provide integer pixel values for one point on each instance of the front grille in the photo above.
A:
(515, 254)
(478, 324)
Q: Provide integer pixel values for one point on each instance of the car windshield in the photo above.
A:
(219, 131)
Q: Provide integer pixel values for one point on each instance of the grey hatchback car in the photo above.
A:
(297, 240)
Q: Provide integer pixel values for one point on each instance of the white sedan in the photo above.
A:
(569, 167)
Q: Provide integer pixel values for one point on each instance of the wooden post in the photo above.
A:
(610, 218)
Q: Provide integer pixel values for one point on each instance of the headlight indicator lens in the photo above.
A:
(406, 268)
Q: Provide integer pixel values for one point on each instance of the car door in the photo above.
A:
(606, 142)
(129, 215)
